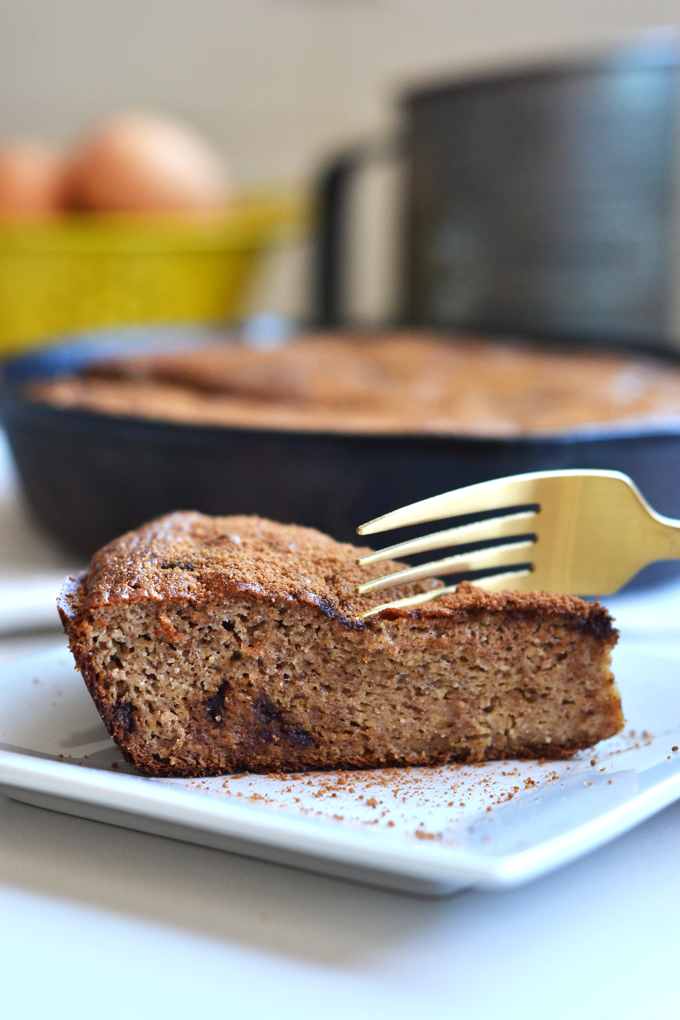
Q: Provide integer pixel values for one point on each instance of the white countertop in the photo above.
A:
(105, 922)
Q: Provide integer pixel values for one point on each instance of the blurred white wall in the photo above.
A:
(278, 84)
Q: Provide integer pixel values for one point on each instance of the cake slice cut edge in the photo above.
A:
(221, 645)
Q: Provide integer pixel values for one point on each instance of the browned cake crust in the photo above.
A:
(396, 383)
(214, 645)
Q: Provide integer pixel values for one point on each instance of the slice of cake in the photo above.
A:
(223, 644)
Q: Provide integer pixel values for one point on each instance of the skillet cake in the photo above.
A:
(398, 383)
(221, 644)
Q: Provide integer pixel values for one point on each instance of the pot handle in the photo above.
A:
(333, 195)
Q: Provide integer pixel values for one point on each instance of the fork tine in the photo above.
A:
(500, 580)
(498, 556)
(410, 600)
(517, 490)
(495, 527)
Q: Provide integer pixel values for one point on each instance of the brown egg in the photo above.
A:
(31, 177)
(139, 162)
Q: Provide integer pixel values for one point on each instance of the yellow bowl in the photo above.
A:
(90, 270)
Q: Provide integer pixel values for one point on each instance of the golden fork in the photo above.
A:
(580, 532)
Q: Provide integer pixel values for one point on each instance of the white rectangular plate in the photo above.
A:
(429, 830)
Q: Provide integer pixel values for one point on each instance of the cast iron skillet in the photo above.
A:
(90, 477)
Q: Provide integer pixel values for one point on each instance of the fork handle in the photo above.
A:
(664, 542)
